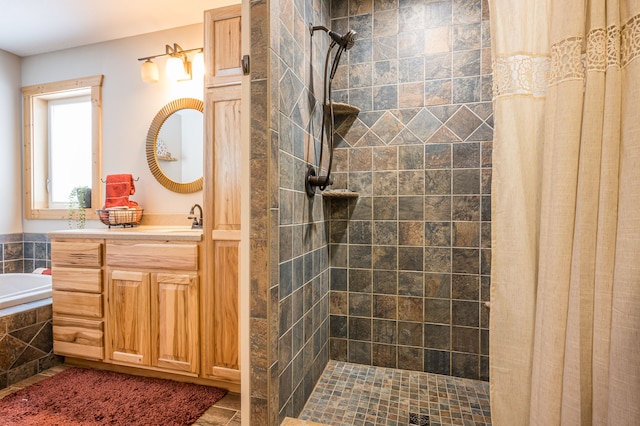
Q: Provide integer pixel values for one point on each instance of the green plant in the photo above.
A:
(79, 200)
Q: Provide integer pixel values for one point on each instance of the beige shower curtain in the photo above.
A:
(565, 294)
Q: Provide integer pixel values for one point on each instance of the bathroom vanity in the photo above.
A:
(163, 301)
(137, 298)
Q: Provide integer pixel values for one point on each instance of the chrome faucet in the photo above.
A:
(197, 221)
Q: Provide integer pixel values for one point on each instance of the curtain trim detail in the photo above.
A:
(570, 59)
(521, 75)
(630, 40)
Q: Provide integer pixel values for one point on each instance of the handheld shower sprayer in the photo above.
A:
(345, 42)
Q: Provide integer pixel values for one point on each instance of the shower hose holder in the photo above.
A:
(312, 180)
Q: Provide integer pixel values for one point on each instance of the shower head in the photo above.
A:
(345, 41)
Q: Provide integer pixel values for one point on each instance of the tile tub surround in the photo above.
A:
(410, 258)
(24, 252)
(26, 343)
(353, 394)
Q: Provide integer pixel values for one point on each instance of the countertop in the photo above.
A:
(144, 232)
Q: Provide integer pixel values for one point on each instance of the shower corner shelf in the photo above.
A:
(340, 193)
(340, 108)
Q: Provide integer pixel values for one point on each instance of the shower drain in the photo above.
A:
(418, 419)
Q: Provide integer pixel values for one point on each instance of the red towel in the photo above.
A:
(119, 187)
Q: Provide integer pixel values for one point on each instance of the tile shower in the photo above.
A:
(410, 257)
(397, 277)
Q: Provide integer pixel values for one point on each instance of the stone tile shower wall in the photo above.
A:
(303, 254)
(24, 252)
(289, 318)
(410, 258)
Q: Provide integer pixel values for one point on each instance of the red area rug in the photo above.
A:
(78, 396)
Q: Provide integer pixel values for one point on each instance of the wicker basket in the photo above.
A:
(120, 217)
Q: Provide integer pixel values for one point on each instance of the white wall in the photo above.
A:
(10, 145)
(128, 108)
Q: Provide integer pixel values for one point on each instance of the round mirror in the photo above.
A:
(174, 145)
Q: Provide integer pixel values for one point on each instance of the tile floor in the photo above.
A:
(352, 394)
(225, 412)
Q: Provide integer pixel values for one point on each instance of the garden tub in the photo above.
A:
(18, 289)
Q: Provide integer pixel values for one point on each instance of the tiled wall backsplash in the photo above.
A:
(24, 252)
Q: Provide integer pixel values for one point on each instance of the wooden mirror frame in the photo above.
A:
(152, 136)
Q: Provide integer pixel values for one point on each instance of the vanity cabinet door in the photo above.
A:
(129, 317)
(174, 321)
(223, 46)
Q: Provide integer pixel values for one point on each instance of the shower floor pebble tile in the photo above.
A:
(354, 395)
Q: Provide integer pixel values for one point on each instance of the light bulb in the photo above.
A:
(197, 65)
(175, 68)
(149, 72)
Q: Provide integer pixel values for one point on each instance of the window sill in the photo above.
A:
(62, 214)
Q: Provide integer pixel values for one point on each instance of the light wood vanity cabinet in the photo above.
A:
(222, 188)
(163, 305)
(78, 315)
(153, 294)
(127, 301)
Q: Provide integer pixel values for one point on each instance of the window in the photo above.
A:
(62, 145)
(69, 148)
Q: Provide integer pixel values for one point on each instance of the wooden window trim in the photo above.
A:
(29, 93)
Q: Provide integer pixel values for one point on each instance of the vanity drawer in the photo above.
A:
(76, 253)
(143, 255)
(77, 279)
(77, 304)
(78, 337)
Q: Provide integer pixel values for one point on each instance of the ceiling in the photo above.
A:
(29, 27)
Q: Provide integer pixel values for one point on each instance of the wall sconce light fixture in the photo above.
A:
(178, 66)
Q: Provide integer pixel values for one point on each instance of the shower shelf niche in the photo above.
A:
(340, 108)
(340, 193)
